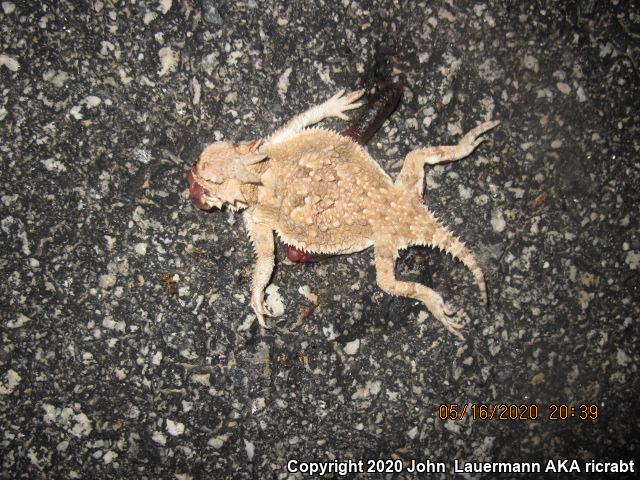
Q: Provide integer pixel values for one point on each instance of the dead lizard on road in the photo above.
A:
(321, 192)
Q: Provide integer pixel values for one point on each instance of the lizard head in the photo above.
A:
(221, 170)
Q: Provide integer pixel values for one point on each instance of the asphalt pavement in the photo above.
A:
(129, 349)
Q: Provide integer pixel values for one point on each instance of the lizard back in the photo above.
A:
(326, 192)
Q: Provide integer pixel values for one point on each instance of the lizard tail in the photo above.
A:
(439, 237)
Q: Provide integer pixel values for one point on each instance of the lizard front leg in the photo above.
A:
(334, 107)
(262, 237)
(377, 110)
(385, 257)
(411, 177)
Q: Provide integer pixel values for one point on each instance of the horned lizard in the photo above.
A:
(322, 192)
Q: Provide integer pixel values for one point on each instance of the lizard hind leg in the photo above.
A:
(411, 177)
(385, 258)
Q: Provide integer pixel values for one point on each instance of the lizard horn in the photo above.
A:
(253, 158)
(245, 176)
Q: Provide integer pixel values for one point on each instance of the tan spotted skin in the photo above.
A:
(321, 202)
(321, 192)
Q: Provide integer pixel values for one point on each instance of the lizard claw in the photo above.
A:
(261, 320)
(474, 138)
(261, 311)
(339, 103)
(445, 314)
